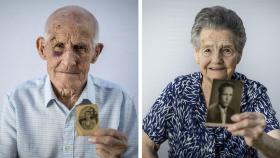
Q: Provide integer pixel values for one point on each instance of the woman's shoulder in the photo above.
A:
(250, 85)
(188, 79)
(185, 83)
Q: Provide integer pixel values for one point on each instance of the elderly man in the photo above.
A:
(38, 117)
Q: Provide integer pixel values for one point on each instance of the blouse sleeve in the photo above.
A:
(154, 124)
(263, 105)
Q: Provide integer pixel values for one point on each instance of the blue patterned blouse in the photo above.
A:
(179, 116)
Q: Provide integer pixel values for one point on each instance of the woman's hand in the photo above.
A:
(250, 125)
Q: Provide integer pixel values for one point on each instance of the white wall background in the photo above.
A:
(167, 51)
(23, 21)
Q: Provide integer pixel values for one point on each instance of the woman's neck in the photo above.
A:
(206, 89)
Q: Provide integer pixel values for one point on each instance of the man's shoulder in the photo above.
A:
(32, 85)
(102, 83)
(214, 106)
(105, 86)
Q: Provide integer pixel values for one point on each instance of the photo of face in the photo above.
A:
(88, 118)
(226, 96)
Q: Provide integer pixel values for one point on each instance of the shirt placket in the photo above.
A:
(69, 137)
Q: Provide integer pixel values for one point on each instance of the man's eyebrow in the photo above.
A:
(227, 46)
(52, 38)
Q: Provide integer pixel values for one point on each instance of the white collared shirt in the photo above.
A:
(34, 123)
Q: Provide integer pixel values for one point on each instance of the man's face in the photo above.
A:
(216, 56)
(69, 53)
(88, 115)
(226, 96)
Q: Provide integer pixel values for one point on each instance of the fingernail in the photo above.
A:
(92, 139)
(234, 117)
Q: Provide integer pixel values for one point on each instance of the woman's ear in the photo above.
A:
(40, 45)
(97, 51)
(196, 55)
(239, 57)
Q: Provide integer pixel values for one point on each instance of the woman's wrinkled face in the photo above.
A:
(216, 56)
(69, 49)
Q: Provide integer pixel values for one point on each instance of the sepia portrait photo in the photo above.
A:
(224, 102)
(86, 119)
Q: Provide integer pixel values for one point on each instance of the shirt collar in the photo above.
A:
(87, 95)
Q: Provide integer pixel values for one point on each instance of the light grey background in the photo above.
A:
(23, 21)
(167, 51)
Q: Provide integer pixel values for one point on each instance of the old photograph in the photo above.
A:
(86, 119)
(224, 102)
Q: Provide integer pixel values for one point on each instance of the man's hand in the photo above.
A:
(250, 125)
(110, 143)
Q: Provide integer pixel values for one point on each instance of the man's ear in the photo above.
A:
(97, 52)
(40, 45)
(196, 55)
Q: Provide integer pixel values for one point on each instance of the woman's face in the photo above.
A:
(216, 56)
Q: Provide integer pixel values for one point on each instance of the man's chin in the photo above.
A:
(68, 84)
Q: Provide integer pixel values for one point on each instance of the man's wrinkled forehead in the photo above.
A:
(76, 18)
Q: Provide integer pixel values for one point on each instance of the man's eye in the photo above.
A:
(59, 45)
(79, 48)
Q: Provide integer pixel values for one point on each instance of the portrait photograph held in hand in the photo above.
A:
(86, 119)
(224, 102)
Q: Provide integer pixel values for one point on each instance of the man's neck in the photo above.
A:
(68, 96)
(223, 107)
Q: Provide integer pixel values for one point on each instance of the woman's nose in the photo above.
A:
(217, 57)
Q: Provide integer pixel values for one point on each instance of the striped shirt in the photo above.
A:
(34, 123)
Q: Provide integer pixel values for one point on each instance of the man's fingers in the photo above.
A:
(102, 152)
(107, 140)
(103, 147)
(109, 132)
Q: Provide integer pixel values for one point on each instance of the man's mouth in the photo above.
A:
(217, 68)
(69, 72)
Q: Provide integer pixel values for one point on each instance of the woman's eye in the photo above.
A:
(206, 52)
(227, 52)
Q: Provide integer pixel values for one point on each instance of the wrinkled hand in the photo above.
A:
(110, 143)
(248, 124)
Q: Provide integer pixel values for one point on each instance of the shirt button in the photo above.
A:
(67, 147)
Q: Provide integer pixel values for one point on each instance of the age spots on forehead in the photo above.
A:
(73, 29)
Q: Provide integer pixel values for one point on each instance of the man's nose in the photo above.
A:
(69, 58)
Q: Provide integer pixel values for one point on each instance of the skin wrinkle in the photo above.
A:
(216, 40)
(69, 51)
(69, 47)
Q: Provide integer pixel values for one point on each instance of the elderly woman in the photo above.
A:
(179, 114)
